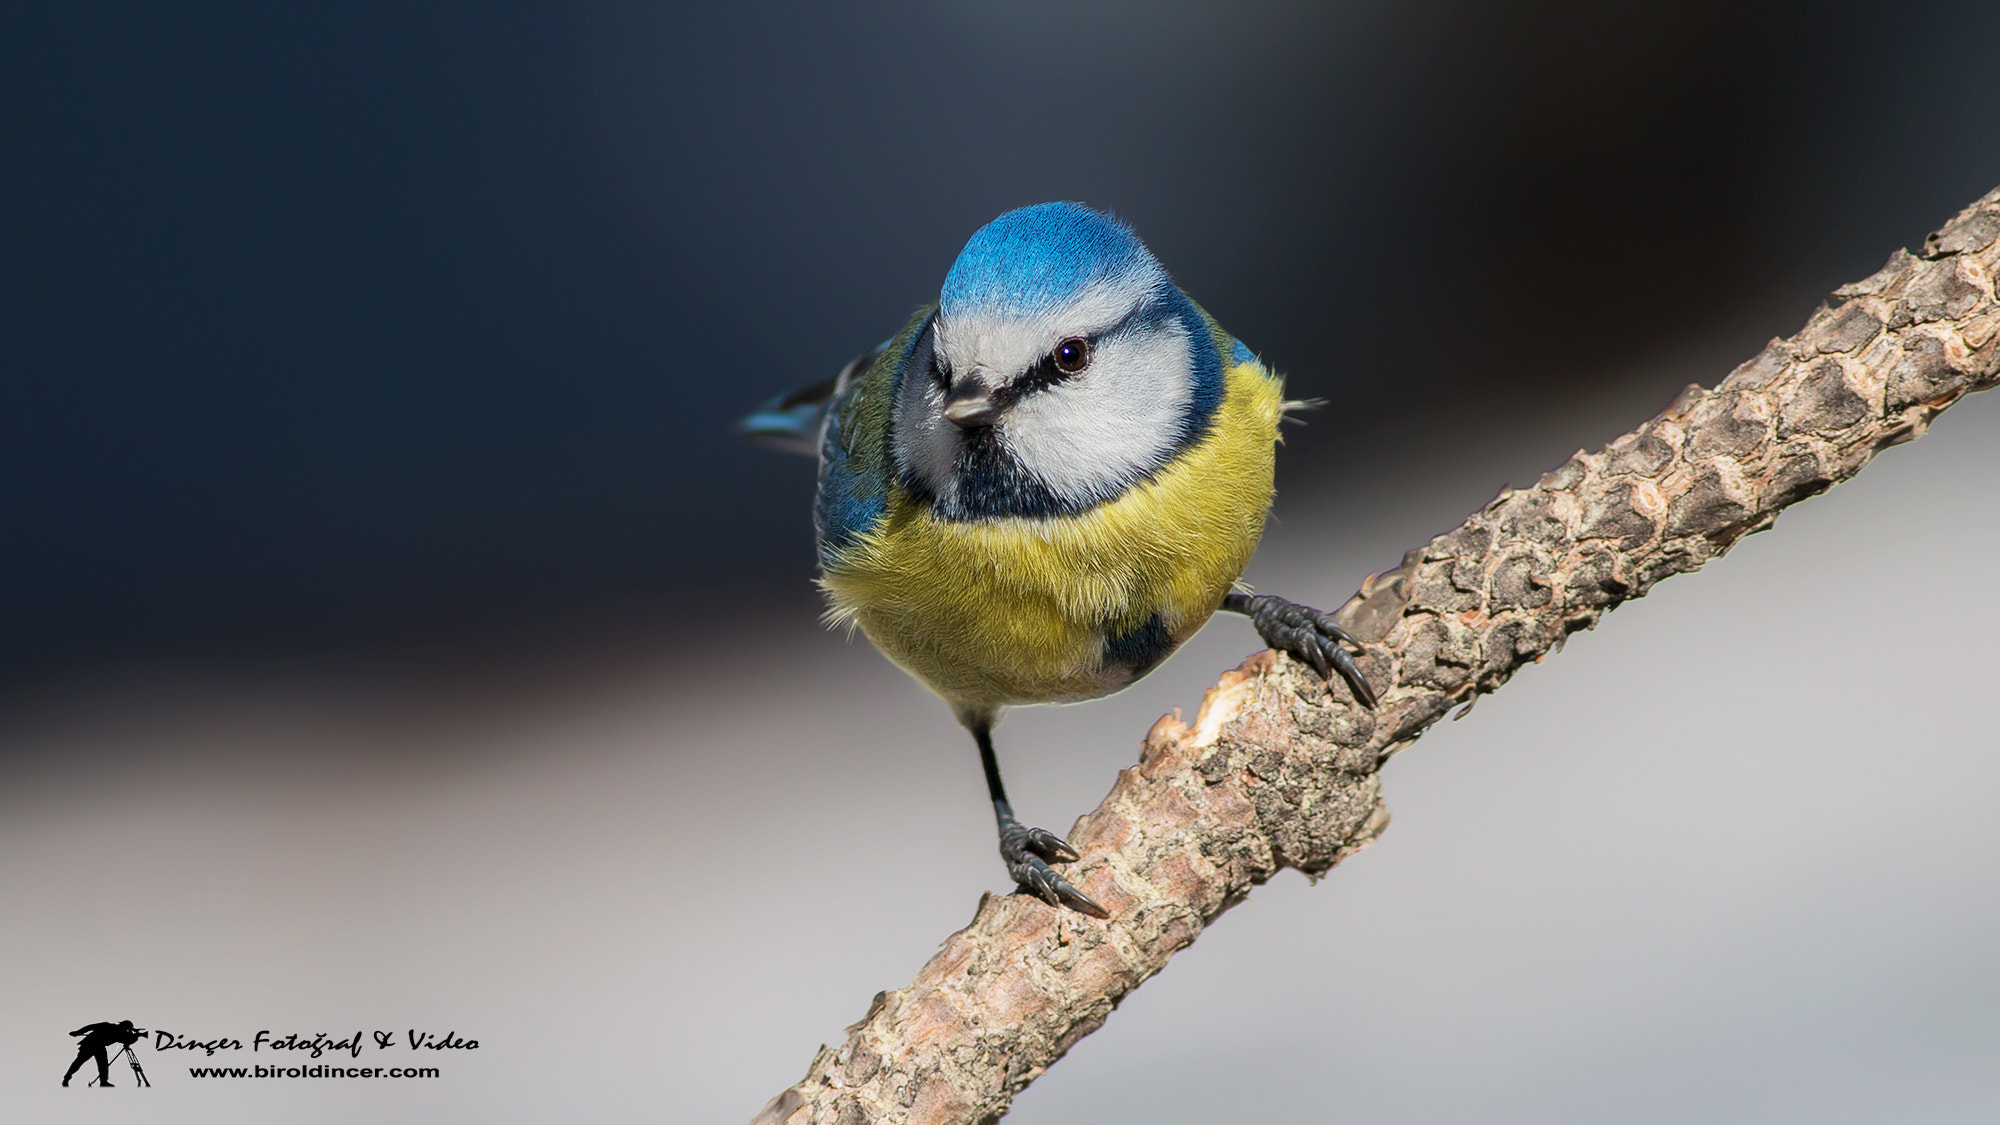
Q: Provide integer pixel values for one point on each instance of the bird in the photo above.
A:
(1044, 484)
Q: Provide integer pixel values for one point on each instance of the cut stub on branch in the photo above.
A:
(1279, 770)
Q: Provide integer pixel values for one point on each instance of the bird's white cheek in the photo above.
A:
(1089, 439)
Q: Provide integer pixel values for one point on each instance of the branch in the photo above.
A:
(1279, 768)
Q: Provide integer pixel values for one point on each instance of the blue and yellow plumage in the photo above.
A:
(1048, 596)
(1045, 483)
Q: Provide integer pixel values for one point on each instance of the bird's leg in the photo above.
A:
(1306, 633)
(1029, 851)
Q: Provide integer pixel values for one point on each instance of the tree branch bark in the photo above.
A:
(1280, 768)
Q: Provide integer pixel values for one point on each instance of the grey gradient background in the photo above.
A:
(391, 635)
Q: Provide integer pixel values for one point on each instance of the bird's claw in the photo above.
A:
(1028, 853)
(1048, 845)
(1314, 637)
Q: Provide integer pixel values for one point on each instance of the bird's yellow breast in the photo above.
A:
(1018, 610)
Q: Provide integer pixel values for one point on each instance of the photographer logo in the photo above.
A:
(94, 1041)
(270, 1054)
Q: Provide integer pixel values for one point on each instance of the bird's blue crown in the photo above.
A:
(1032, 259)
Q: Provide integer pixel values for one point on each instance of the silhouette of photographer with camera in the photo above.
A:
(97, 1037)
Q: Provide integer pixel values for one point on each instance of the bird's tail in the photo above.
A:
(791, 422)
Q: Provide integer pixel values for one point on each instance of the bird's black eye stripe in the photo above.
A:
(1055, 367)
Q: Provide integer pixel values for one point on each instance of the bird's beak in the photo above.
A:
(970, 403)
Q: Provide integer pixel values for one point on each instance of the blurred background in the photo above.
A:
(393, 635)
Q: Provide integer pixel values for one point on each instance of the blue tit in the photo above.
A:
(1044, 484)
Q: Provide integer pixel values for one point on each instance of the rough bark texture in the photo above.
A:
(1279, 768)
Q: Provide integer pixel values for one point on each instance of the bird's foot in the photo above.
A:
(1306, 633)
(1028, 853)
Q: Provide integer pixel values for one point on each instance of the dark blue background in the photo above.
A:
(397, 329)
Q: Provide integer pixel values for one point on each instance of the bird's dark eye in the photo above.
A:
(1072, 355)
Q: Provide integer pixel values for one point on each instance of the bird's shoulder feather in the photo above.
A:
(856, 463)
